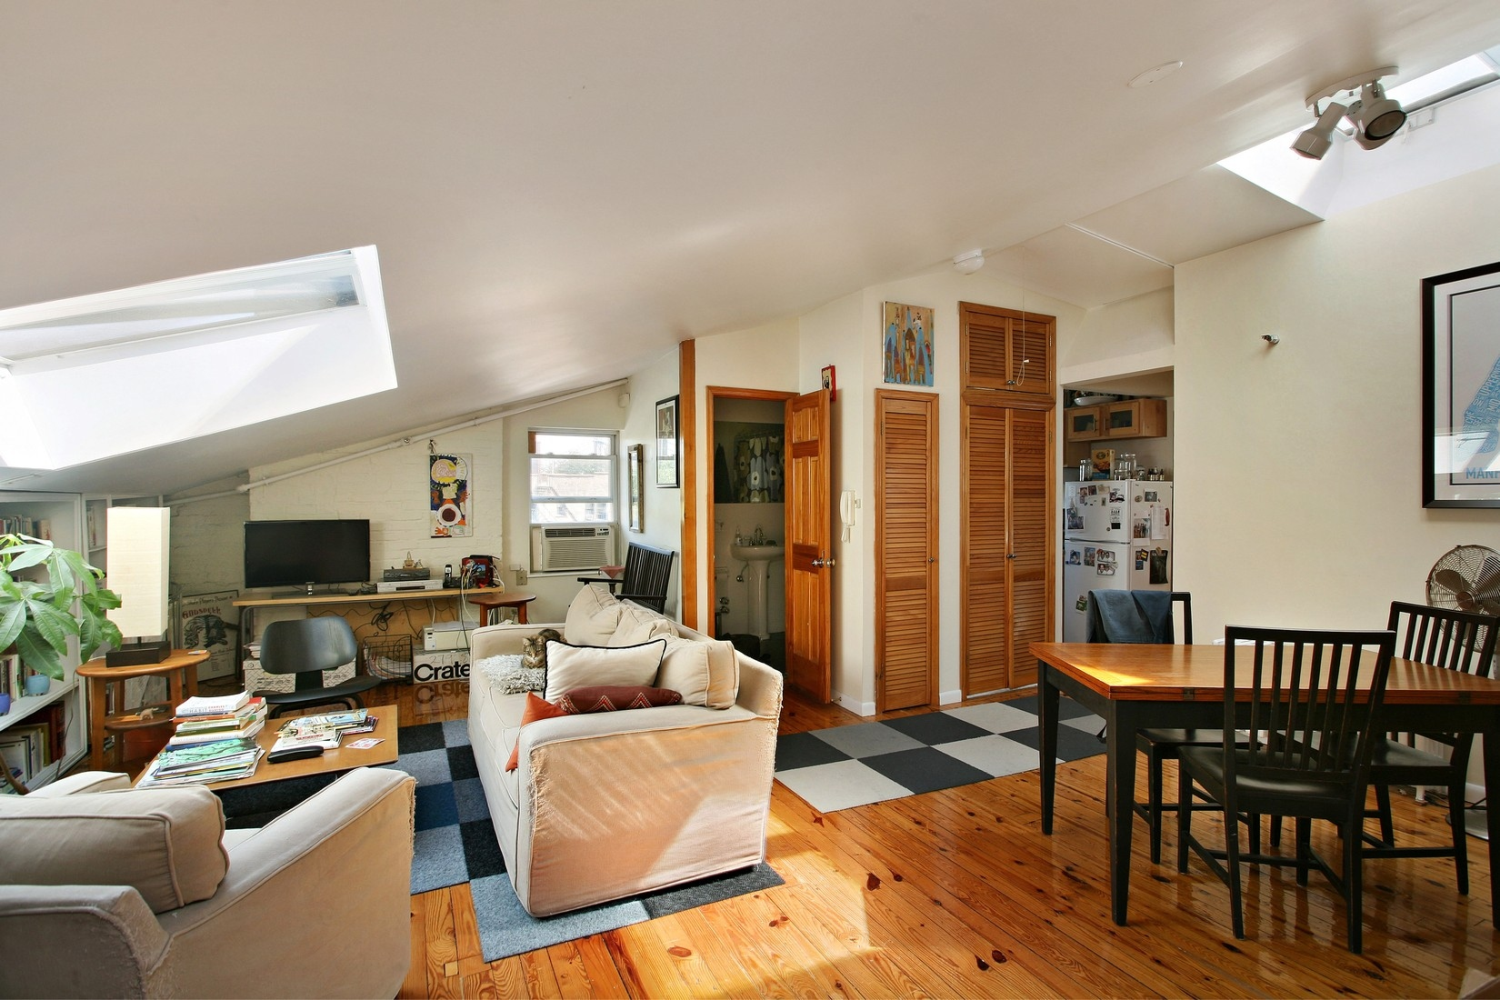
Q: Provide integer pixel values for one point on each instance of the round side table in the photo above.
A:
(489, 602)
(181, 671)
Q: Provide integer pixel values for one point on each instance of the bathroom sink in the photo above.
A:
(757, 553)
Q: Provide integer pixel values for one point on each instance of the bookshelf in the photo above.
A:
(63, 709)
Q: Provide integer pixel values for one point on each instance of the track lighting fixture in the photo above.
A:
(1375, 116)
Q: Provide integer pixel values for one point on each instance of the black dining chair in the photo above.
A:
(306, 647)
(1313, 702)
(1455, 640)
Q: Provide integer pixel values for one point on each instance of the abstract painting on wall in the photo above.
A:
(449, 492)
(908, 344)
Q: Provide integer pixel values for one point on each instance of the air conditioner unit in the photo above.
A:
(570, 548)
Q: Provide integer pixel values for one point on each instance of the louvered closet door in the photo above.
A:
(905, 550)
(1006, 545)
(986, 584)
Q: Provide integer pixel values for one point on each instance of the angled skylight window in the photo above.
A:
(101, 375)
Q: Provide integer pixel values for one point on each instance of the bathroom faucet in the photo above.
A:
(760, 536)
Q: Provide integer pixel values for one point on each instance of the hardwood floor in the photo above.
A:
(957, 893)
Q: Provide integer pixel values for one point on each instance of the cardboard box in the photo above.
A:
(436, 666)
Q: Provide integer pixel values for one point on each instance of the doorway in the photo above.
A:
(747, 519)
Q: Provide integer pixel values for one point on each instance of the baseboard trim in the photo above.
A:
(857, 707)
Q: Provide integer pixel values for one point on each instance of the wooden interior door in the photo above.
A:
(1007, 544)
(809, 557)
(906, 538)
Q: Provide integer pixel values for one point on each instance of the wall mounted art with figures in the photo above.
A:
(907, 347)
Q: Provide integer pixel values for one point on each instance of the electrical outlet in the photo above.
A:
(520, 576)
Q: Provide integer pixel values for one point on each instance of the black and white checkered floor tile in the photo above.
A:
(874, 761)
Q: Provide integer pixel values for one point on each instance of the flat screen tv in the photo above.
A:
(306, 553)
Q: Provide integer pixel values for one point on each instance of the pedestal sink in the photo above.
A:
(758, 559)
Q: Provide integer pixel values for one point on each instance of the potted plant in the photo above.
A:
(40, 610)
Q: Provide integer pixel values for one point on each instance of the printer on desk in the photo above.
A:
(445, 635)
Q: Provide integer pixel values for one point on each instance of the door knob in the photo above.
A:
(821, 562)
(1010, 555)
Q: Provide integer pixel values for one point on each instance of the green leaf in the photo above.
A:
(51, 625)
(12, 620)
(96, 631)
(38, 655)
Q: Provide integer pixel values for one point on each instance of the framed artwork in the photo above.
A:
(635, 469)
(668, 472)
(1461, 388)
(908, 344)
(448, 495)
(830, 382)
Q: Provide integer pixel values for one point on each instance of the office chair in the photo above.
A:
(1310, 736)
(307, 647)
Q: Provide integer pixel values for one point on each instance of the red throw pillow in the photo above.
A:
(536, 709)
(615, 698)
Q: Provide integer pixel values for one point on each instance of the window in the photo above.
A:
(572, 477)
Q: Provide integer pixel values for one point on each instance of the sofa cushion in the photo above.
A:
(166, 843)
(592, 617)
(536, 709)
(638, 625)
(616, 698)
(570, 666)
(704, 671)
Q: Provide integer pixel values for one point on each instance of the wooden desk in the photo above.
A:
(1137, 687)
(487, 602)
(181, 671)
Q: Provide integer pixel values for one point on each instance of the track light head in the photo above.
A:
(1315, 141)
(1378, 117)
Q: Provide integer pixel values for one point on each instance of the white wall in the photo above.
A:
(662, 513)
(596, 411)
(391, 489)
(208, 542)
(1299, 497)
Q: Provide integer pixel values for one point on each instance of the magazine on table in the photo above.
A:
(201, 705)
(323, 730)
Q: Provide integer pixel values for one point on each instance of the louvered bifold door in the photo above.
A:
(906, 533)
(986, 579)
(1030, 540)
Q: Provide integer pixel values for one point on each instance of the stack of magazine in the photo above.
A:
(208, 720)
(323, 730)
(202, 763)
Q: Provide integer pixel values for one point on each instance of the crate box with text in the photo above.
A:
(440, 665)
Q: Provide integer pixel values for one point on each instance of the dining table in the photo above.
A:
(1142, 686)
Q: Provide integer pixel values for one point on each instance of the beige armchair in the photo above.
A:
(108, 891)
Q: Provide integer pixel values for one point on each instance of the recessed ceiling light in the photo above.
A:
(1156, 73)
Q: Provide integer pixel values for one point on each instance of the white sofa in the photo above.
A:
(608, 805)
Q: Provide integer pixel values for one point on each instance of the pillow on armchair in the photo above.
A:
(166, 843)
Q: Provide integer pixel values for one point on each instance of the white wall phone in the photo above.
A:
(848, 504)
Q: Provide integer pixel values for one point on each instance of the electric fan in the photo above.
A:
(1466, 578)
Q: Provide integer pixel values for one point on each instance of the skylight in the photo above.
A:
(101, 375)
(1454, 113)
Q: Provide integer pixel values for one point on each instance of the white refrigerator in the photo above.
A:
(1117, 535)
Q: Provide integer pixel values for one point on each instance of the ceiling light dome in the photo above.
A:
(969, 261)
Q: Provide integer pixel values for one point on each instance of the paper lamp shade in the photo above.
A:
(138, 539)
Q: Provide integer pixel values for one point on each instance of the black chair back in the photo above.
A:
(1455, 640)
(648, 573)
(1185, 599)
(307, 644)
(1313, 697)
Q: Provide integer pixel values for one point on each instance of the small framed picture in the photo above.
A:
(668, 472)
(830, 382)
(635, 463)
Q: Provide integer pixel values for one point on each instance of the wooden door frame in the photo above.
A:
(934, 590)
(711, 393)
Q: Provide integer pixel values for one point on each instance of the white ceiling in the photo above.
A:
(562, 191)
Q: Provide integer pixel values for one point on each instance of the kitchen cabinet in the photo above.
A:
(1133, 418)
(1081, 423)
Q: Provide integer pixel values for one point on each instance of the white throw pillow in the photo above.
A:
(638, 625)
(684, 669)
(570, 666)
(592, 617)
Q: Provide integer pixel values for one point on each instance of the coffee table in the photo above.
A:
(329, 763)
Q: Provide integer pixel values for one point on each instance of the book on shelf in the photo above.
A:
(201, 705)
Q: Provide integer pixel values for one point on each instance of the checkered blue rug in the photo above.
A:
(855, 765)
(455, 842)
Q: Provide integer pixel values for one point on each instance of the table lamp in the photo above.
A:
(138, 540)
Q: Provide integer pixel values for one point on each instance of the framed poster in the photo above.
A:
(209, 621)
(448, 495)
(668, 472)
(1461, 388)
(635, 467)
(907, 344)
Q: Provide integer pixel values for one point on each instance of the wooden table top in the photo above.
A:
(1141, 672)
(343, 759)
(395, 595)
(495, 599)
(178, 659)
